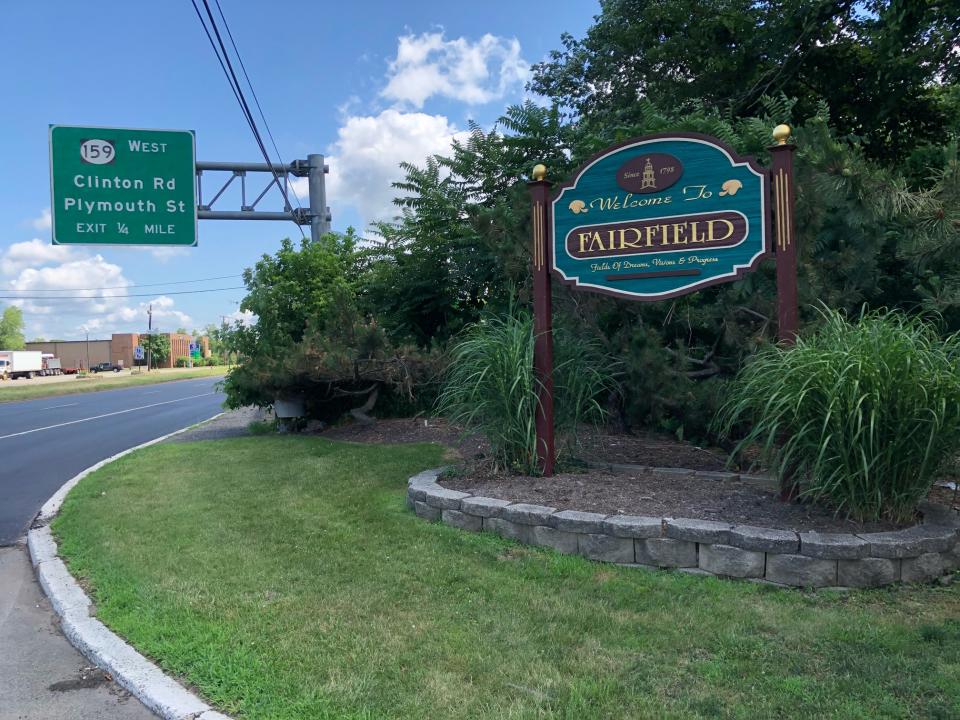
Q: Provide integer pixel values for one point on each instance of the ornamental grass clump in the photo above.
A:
(862, 414)
(490, 388)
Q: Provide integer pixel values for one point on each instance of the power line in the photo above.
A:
(115, 297)
(220, 50)
(256, 100)
(124, 287)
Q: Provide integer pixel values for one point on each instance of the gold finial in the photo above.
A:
(781, 133)
(539, 172)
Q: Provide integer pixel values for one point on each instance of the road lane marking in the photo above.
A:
(152, 392)
(98, 417)
(54, 407)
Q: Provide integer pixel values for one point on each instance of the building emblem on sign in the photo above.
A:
(649, 179)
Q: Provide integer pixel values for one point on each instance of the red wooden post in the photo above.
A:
(786, 254)
(542, 318)
(787, 302)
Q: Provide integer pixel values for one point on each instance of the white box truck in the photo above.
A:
(20, 363)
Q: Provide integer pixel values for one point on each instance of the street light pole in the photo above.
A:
(149, 335)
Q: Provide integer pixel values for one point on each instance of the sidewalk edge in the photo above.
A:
(157, 691)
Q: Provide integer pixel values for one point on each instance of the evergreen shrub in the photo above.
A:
(863, 414)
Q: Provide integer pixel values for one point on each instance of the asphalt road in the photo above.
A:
(45, 442)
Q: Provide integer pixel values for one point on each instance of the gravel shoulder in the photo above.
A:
(231, 423)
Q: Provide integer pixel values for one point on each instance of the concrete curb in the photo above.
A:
(131, 670)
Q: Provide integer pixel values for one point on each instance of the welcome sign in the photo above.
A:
(661, 216)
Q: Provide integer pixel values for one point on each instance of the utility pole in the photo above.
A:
(149, 335)
(88, 351)
(319, 218)
(223, 340)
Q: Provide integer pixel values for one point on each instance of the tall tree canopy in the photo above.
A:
(882, 66)
(11, 329)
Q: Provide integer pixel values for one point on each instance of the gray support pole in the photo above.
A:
(318, 197)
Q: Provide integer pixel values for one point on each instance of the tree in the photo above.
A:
(315, 338)
(11, 329)
(156, 347)
(880, 65)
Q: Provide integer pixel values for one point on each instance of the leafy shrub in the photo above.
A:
(489, 386)
(211, 361)
(182, 361)
(863, 414)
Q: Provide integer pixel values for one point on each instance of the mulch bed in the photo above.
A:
(650, 493)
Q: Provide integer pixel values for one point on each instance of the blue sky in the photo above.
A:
(367, 83)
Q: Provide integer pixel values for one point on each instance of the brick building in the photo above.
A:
(117, 350)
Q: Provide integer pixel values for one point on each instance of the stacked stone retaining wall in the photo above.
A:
(801, 559)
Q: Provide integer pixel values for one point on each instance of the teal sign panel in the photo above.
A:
(120, 186)
(661, 216)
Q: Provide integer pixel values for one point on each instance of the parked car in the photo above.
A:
(105, 367)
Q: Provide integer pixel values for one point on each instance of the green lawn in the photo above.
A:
(284, 578)
(14, 390)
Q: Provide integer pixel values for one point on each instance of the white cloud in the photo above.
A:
(244, 317)
(76, 274)
(35, 268)
(44, 222)
(32, 253)
(365, 159)
(472, 72)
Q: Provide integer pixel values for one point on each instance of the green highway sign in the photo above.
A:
(121, 186)
(661, 216)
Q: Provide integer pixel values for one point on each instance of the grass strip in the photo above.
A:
(16, 390)
(284, 578)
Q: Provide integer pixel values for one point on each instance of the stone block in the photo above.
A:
(666, 552)
(922, 568)
(702, 531)
(764, 539)
(427, 512)
(506, 529)
(606, 548)
(833, 546)
(867, 572)
(682, 472)
(483, 506)
(633, 526)
(527, 514)
(936, 514)
(417, 492)
(578, 522)
(951, 559)
(427, 477)
(911, 542)
(559, 540)
(801, 571)
(445, 499)
(462, 520)
(731, 561)
(716, 475)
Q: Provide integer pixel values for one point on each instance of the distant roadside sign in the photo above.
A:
(121, 186)
(138, 352)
